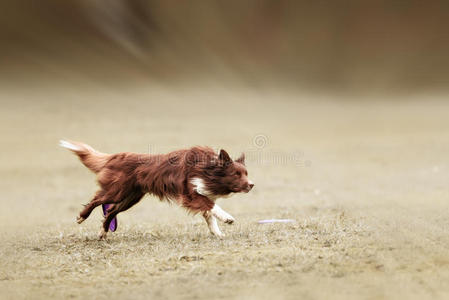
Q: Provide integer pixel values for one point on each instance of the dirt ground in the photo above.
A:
(366, 182)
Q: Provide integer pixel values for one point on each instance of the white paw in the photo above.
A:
(222, 215)
(219, 234)
(102, 235)
(229, 220)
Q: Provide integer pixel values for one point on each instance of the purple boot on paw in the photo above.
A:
(114, 223)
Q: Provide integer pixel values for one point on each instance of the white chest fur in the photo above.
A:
(200, 187)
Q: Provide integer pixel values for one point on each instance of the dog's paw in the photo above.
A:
(219, 234)
(229, 220)
(102, 235)
(79, 219)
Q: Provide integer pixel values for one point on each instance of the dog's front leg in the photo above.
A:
(212, 223)
(223, 216)
(202, 203)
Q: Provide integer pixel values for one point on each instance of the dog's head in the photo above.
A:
(234, 175)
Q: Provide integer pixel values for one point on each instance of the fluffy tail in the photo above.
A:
(90, 157)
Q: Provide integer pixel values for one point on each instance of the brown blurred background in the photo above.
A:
(368, 46)
(366, 181)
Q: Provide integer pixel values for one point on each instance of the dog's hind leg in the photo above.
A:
(118, 207)
(112, 212)
(101, 197)
(88, 208)
(133, 198)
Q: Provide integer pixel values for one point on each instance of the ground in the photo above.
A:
(365, 181)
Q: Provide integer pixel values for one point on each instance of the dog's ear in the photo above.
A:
(241, 159)
(224, 157)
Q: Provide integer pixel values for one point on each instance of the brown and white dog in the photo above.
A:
(194, 178)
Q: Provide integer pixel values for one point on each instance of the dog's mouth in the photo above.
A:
(245, 189)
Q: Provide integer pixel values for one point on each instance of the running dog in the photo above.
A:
(193, 178)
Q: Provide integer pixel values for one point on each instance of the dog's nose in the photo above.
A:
(251, 185)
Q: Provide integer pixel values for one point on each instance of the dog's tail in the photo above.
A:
(90, 157)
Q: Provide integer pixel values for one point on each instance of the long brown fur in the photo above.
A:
(124, 178)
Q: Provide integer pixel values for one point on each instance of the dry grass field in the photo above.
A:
(366, 182)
